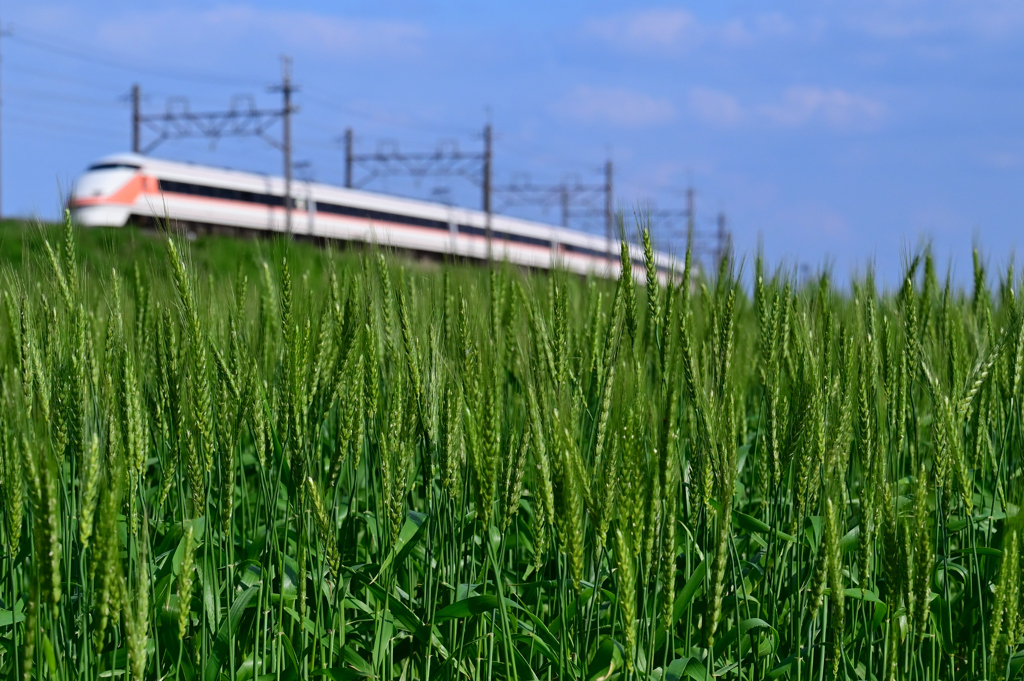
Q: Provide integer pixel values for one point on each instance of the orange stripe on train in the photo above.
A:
(126, 195)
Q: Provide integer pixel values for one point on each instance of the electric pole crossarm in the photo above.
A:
(172, 125)
(417, 165)
(242, 119)
(574, 197)
(445, 161)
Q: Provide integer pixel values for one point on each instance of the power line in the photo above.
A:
(393, 121)
(49, 125)
(58, 77)
(88, 55)
(39, 94)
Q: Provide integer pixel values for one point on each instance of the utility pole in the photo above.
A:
(286, 89)
(136, 97)
(609, 206)
(564, 191)
(722, 239)
(348, 157)
(487, 184)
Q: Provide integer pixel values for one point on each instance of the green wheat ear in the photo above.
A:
(185, 577)
(384, 468)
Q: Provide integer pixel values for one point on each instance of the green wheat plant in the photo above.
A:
(271, 462)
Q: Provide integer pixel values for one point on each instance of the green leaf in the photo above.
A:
(338, 674)
(980, 550)
(685, 597)
(354, 660)
(51, 659)
(198, 528)
(1015, 664)
(467, 608)
(384, 629)
(868, 596)
(686, 668)
(782, 667)
(752, 524)
(248, 668)
(405, 616)
(225, 635)
(862, 595)
(961, 523)
(303, 622)
(744, 627)
(851, 540)
(289, 650)
(548, 644)
(209, 598)
(252, 573)
(230, 625)
(414, 525)
(812, 530)
(9, 617)
(606, 660)
(689, 591)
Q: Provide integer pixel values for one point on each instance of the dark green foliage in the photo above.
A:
(260, 460)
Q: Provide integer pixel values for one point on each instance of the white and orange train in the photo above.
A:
(129, 188)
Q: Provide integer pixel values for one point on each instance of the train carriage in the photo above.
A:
(125, 188)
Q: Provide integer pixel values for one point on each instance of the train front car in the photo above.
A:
(106, 193)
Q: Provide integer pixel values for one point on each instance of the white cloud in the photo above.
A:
(799, 106)
(227, 26)
(618, 106)
(748, 30)
(645, 30)
(882, 26)
(715, 107)
(988, 19)
(671, 30)
(833, 107)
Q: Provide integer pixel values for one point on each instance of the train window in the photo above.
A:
(219, 193)
(113, 166)
(507, 236)
(533, 241)
(350, 211)
(475, 231)
(594, 253)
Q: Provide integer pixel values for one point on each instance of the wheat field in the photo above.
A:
(350, 466)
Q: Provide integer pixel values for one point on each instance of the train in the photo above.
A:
(128, 188)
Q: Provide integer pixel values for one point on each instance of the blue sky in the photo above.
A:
(844, 132)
